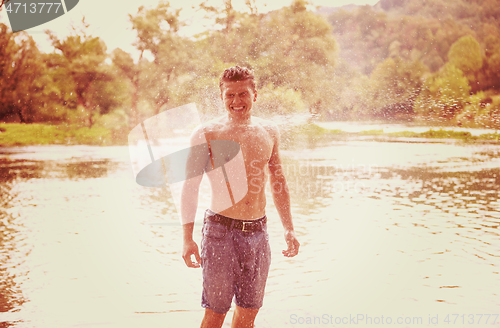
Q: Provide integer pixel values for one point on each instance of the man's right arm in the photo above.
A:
(196, 162)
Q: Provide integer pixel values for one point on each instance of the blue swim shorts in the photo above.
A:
(235, 263)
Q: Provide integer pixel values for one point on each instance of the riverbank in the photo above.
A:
(15, 134)
(318, 133)
(356, 127)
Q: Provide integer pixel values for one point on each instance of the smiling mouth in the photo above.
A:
(238, 108)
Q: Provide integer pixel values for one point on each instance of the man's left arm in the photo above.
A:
(281, 196)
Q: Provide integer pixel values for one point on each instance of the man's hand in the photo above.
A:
(293, 244)
(190, 248)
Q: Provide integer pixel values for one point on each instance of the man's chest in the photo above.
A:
(256, 145)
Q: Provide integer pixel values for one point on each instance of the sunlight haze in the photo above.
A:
(111, 23)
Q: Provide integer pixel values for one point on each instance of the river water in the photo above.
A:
(388, 230)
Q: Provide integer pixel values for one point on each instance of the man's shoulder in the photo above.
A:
(270, 126)
(214, 124)
(210, 125)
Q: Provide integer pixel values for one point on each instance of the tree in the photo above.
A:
(126, 66)
(82, 57)
(465, 54)
(493, 65)
(395, 85)
(488, 77)
(363, 36)
(279, 100)
(299, 52)
(226, 16)
(239, 39)
(291, 48)
(444, 94)
(352, 94)
(31, 85)
(8, 50)
(26, 88)
(157, 33)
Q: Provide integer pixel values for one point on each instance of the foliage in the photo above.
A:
(394, 86)
(369, 35)
(443, 95)
(291, 48)
(487, 111)
(157, 33)
(125, 69)
(360, 35)
(488, 77)
(26, 90)
(465, 54)
(279, 100)
(353, 95)
(81, 57)
(397, 60)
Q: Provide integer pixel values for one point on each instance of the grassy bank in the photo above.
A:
(434, 134)
(312, 135)
(16, 134)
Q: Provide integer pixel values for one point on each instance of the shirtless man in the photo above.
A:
(235, 253)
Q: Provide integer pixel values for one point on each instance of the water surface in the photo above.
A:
(386, 228)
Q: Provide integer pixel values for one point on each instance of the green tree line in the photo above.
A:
(397, 60)
(435, 61)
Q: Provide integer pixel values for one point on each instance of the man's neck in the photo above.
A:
(240, 121)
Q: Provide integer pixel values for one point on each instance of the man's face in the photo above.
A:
(238, 97)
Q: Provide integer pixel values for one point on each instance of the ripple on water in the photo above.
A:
(414, 230)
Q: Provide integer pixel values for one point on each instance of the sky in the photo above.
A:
(109, 20)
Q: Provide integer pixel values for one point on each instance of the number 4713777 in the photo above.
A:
(32, 8)
(470, 318)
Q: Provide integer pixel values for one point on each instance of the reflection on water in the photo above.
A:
(387, 229)
(89, 169)
(10, 295)
(23, 169)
